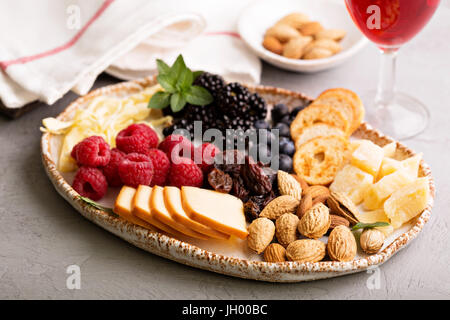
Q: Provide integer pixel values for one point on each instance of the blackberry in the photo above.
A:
(211, 82)
(234, 100)
(258, 107)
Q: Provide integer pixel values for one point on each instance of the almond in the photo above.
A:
(283, 32)
(341, 244)
(305, 205)
(371, 240)
(337, 221)
(315, 222)
(343, 206)
(295, 20)
(286, 229)
(273, 44)
(328, 44)
(310, 28)
(288, 185)
(278, 206)
(294, 47)
(306, 250)
(317, 53)
(317, 191)
(302, 182)
(275, 252)
(260, 234)
(333, 34)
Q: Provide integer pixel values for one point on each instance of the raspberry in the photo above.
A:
(204, 156)
(177, 146)
(111, 169)
(161, 166)
(136, 138)
(184, 172)
(90, 182)
(92, 152)
(136, 169)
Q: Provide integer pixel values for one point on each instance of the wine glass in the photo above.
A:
(389, 24)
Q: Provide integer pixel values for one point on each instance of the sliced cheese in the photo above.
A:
(172, 200)
(219, 211)
(160, 212)
(124, 207)
(141, 209)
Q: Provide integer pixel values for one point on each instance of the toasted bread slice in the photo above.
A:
(160, 212)
(319, 113)
(318, 160)
(172, 200)
(315, 131)
(347, 100)
(219, 211)
(123, 206)
(141, 209)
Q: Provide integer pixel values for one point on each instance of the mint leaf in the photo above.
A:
(185, 79)
(361, 225)
(167, 82)
(163, 68)
(177, 67)
(197, 73)
(177, 101)
(96, 205)
(199, 96)
(159, 100)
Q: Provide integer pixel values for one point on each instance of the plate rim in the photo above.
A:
(183, 252)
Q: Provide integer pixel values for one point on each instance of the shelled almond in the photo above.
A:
(295, 36)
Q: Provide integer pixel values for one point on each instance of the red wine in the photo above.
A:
(391, 23)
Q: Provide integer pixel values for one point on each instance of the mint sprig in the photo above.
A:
(177, 82)
(361, 225)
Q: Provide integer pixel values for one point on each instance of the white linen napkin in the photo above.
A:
(49, 47)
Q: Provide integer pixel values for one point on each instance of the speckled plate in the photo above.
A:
(193, 253)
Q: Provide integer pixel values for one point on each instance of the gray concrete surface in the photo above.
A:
(40, 234)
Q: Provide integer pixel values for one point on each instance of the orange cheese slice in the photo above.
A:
(141, 209)
(159, 211)
(124, 207)
(219, 211)
(172, 200)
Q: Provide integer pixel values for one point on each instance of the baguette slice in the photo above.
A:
(319, 160)
(159, 211)
(319, 113)
(141, 209)
(219, 211)
(172, 200)
(347, 100)
(318, 130)
(123, 206)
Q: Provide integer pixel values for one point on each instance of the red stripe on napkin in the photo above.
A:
(22, 60)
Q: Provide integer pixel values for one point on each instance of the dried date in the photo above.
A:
(220, 181)
(255, 177)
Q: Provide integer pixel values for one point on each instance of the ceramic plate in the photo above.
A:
(332, 14)
(231, 258)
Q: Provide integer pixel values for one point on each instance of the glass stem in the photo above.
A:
(386, 80)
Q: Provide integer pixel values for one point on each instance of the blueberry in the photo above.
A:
(296, 110)
(260, 152)
(279, 111)
(270, 137)
(286, 119)
(261, 124)
(287, 147)
(283, 128)
(285, 163)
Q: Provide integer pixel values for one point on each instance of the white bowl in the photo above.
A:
(332, 14)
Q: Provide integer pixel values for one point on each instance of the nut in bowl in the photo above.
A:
(322, 18)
